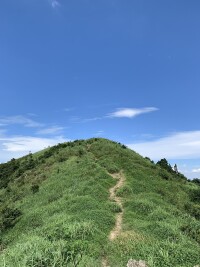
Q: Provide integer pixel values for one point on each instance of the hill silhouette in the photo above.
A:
(96, 203)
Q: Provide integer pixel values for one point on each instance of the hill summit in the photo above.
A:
(93, 203)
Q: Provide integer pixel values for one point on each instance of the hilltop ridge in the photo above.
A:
(56, 209)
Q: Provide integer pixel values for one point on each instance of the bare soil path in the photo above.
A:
(115, 232)
(105, 262)
(118, 224)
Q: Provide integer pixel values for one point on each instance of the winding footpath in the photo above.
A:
(118, 224)
(115, 232)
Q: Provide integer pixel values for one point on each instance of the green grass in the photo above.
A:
(62, 194)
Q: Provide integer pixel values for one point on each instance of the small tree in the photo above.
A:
(196, 181)
(163, 163)
(175, 168)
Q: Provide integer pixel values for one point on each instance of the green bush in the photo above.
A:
(114, 207)
(193, 210)
(195, 195)
(192, 229)
(164, 174)
(124, 191)
(108, 165)
(35, 188)
(163, 231)
(141, 207)
(9, 217)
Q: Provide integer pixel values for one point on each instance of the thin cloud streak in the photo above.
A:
(181, 145)
(196, 170)
(18, 146)
(92, 119)
(99, 133)
(27, 122)
(51, 130)
(68, 109)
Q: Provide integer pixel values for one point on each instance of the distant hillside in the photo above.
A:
(93, 203)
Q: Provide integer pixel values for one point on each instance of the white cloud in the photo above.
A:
(99, 133)
(130, 112)
(92, 119)
(196, 170)
(68, 109)
(25, 121)
(55, 3)
(51, 130)
(181, 145)
(123, 113)
(14, 147)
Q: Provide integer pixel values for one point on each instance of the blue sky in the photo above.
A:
(123, 70)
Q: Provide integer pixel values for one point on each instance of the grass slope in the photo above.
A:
(55, 209)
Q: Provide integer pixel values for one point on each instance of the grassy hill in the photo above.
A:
(56, 210)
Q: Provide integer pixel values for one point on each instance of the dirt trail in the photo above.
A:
(115, 232)
(105, 263)
(118, 224)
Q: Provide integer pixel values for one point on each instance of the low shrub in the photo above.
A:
(192, 229)
(124, 191)
(9, 217)
(35, 188)
(114, 207)
(193, 210)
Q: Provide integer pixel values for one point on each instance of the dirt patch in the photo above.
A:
(134, 263)
(105, 263)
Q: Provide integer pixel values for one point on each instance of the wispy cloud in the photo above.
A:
(123, 113)
(68, 109)
(99, 133)
(25, 121)
(130, 112)
(196, 170)
(181, 145)
(92, 119)
(17, 146)
(55, 3)
(75, 119)
(51, 130)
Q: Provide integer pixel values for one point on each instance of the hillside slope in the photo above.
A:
(56, 209)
